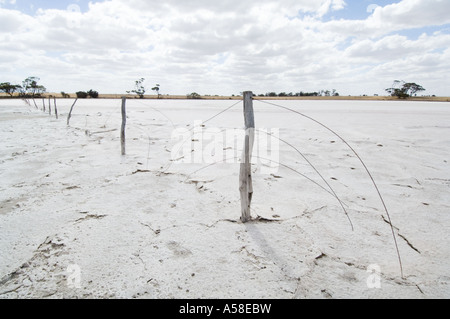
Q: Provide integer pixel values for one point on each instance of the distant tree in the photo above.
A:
(271, 94)
(30, 87)
(65, 95)
(403, 90)
(397, 89)
(194, 96)
(139, 88)
(156, 88)
(28, 83)
(413, 88)
(9, 88)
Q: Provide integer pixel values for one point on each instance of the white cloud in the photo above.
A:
(2, 2)
(396, 46)
(330, 5)
(413, 14)
(407, 14)
(224, 47)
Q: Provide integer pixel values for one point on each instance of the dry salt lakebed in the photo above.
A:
(79, 220)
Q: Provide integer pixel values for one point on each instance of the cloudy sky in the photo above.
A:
(226, 47)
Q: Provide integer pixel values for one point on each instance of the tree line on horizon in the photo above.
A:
(291, 94)
(30, 88)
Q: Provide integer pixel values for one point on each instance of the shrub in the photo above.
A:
(82, 95)
(93, 94)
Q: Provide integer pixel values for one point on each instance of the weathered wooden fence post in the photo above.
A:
(70, 113)
(245, 177)
(34, 101)
(43, 104)
(49, 106)
(56, 109)
(124, 123)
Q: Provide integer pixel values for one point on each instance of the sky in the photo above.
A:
(226, 47)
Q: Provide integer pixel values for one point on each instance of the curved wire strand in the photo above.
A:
(169, 165)
(318, 173)
(362, 162)
(156, 110)
(266, 159)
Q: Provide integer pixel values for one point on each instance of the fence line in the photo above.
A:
(246, 188)
(287, 143)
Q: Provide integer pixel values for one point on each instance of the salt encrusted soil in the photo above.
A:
(78, 220)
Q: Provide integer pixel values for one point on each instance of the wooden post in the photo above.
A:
(49, 106)
(124, 123)
(56, 109)
(43, 104)
(70, 113)
(245, 176)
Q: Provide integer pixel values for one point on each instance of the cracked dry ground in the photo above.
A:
(139, 232)
(152, 246)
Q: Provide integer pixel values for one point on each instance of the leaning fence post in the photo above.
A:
(124, 123)
(245, 177)
(49, 106)
(70, 113)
